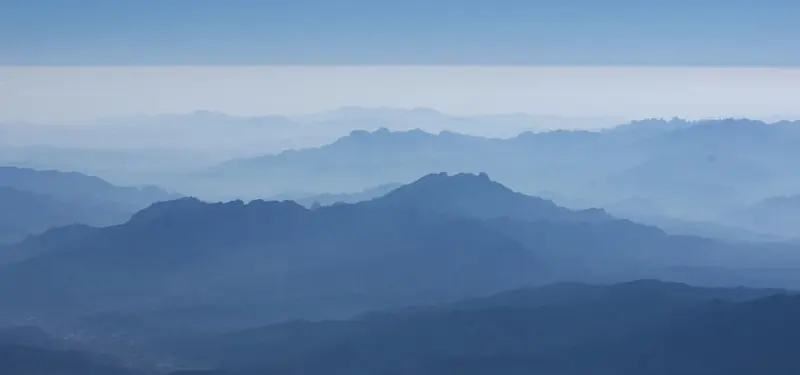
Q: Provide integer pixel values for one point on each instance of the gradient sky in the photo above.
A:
(80, 94)
(541, 32)
(80, 60)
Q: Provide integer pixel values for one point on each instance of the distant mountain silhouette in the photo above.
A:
(186, 265)
(24, 213)
(476, 196)
(28, 336)
(79, 187)
(776, 215)
(694, 170)
(500, 125)
(327, 199)
(645, 212)
(559, 329)
(648, 128)
(452, 273)
(34, 201)
(351, 163)
(30, 351)
(264, 250)
(687, 179)
(23, 360)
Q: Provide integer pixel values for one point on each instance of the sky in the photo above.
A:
(539, 32)
(81, 60)
(83, 94)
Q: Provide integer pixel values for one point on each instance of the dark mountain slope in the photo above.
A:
(28, 350)
(173, 242)
(276, 258)
(75, 186)
(185, 265)
(531, 330)
(753, 337)
(23, 360)
(23, 213)
(28, 336)
(694, 169)
(351, 163)
(33, 201)
(742, 338)
(327, 199)
(476, 196)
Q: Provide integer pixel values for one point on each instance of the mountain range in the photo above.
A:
(637, 327)
(347, 271)
(187, 265)
(242, 135)
(702, 172)
(186, 284)
(34, 201)
(565, 328)
(28, 350)
(702, 175)
(776, 215)
(123, 150)
(326, 199)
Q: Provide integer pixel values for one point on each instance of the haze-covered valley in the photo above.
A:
(716, 178)
(132, 149)
(354, 242)
(306, 187)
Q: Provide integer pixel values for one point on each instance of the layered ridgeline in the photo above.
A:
(566, 329)
(123, 149)
(776, 215)
(33, 201)
(277, 260)
(24, 360)
(30, 351)
(183, 283)
(631, 328)
(697, 172)
(326, 199)
(187, 265)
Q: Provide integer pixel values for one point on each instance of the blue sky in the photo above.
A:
(79, 60)
(543, 32)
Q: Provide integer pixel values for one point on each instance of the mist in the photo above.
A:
(305, 187)
(162, 121)
(85, 95)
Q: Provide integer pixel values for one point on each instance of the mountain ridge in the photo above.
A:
(542, 327)
(34, 201)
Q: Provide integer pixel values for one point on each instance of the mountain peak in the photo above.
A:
(190, 207)
(460, 177)
(477, 196)
(160, 208)
(452, 185)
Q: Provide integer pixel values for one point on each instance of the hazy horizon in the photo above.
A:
(413, 187)
(79, 95)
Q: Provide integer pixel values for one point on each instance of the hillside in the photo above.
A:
(222, 265)
(775, 215)
(478, 197)
(697, 171)
(79, 187)
(187, 253)
(33, 201)
(561, 329)
(25, 213)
